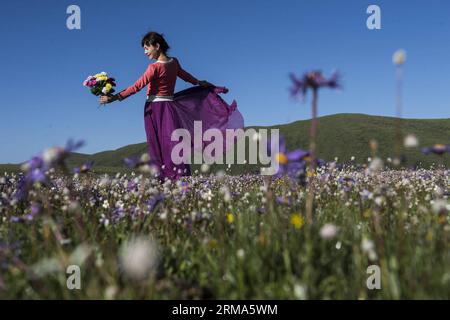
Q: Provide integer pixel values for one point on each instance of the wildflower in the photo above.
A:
(368, 248)
(85, 167)
(230, 218)
(312, 80)
(184, 187)
(297, 221)
(138, 257)
(212, 244)
(36, 167)
(142, 163)
(226, 193)
(300, 291)
(110, 292)
(80, 254)
(284, 200)
(347, 183)
(440, 206)
(376, 165)
(411, 141)
(379, 201)
(328, 231)
(153, 202)
(103, 220)
(56, 156)
(311, 173)
(132, 184)
(291, 163)
(366, 194)
(438, 149)
(240, 253)
(399, 57)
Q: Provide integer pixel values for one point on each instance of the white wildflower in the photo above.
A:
(328, 231)
(138, 257)
(411, 141)
(376, 165)
(204, 168)
(240, 253)
(399, 57)
(300, 291)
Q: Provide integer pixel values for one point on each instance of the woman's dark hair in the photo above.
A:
(152, 38)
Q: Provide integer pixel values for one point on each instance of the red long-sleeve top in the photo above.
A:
(160, 78)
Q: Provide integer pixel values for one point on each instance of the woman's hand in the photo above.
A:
(205, 83)
(107, 99)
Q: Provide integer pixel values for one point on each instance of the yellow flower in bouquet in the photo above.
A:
(100, 84)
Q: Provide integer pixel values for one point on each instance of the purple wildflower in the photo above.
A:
(312, 80)
(284, 200)
(36, 167)
(85, 167)
(438, 149)
(143, 163)
(184, 187)
(291, 163)
(131, 185)
(347, 183)
(153, 202)
(365, 194)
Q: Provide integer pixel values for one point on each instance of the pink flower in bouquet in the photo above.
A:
(89, 82)
(100, 83)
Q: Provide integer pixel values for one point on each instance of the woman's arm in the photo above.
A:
(140, 83)
(186, 76)
(145, 79)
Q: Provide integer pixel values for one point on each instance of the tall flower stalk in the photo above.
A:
(313, 81)
(398, 59)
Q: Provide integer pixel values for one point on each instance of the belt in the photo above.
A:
(153, 98)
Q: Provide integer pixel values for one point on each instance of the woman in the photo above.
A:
(165, 111)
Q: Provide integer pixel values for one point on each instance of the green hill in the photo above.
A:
(340, 135)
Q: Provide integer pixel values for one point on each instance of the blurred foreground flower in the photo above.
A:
(328, 231)
(399, 57)
(313, 80)
(142, 163)
(85, 167)
(438, 149)
(138, 257)
(297, 221)
(411, 141)
(36, 168)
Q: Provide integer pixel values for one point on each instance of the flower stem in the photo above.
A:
(399, 113)
(312, 163)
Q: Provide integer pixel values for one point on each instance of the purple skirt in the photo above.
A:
(193, 104)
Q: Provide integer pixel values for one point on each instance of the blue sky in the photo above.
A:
(248, 46)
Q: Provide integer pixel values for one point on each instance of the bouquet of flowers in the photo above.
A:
(100, 84)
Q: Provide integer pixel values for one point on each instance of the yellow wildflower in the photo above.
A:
(297, 221)
(281, 158)
(212, 244)
(311, 173)
(230, 218)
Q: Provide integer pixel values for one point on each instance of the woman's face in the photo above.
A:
(152, 52)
